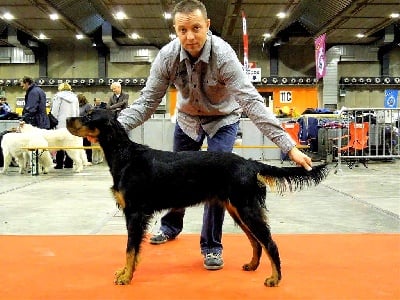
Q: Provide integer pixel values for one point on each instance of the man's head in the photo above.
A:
(26, 82)
(116, 88)
(191, 25)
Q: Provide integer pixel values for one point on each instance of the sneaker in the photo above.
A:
(160, 238)
(213, 261)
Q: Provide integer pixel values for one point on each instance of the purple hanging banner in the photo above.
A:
(320, 58)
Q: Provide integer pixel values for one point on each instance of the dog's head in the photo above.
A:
(25, 127)
(91, 124)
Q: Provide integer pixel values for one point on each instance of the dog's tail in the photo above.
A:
(291, 178)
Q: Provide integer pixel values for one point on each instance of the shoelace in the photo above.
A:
(213, 255)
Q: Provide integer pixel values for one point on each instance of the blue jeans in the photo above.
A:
(213, 216)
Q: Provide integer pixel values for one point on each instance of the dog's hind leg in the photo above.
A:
(74, 154)
(254, 219)
(257, 249)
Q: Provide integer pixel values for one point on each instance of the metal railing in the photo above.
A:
(367, 133)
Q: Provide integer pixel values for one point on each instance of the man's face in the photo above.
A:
(191, 30)
(24, 85)
(116, 89)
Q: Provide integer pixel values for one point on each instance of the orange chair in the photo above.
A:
(358, 137)
(357, 142)
(293, 128)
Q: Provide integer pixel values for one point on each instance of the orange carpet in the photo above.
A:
(352, 266)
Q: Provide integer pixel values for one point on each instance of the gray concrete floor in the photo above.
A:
(358, 200)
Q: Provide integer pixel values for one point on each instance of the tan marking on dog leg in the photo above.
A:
(274, 279)
(119, 198)
(124, 275)
(255, 259)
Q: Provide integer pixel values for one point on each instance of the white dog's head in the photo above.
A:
(26, 128)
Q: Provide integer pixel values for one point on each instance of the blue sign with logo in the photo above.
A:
(391, 98)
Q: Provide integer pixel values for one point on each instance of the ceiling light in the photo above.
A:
(167, 15)
(120, 15)
(360, 35)
(54, 16)
(266, 35)
(172, 36)
(8, 16)
(79, 36)
(135, 36)
(42, 36)
(395, 15)
(281, 15)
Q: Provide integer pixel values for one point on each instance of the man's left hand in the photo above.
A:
(300, 158)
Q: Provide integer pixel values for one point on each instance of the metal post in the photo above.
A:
(35, 162)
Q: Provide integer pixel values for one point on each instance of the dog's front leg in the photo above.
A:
(136, 225)
(124, 275)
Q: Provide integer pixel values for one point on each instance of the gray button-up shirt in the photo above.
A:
(213, 91)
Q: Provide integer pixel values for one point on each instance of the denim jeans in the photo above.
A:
(213, 216)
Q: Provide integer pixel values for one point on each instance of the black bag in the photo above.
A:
(53, 121)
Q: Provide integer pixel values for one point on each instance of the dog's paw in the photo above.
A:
(122, 277)
(271, 281)
(250, 267)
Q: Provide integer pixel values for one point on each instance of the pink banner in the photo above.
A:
(320, 58)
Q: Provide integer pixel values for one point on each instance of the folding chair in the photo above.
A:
(357, 143)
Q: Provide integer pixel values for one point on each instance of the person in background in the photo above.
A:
(5, 108)
(213, 91)
(97, 103)
(64, 105)
(84, 108)
(119, 100)
(34, 111)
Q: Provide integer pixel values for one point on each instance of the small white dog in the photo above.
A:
(62, 139)
(12, 144)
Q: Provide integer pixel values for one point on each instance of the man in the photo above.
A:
(34, 111)
(119, 100)
(213, 91)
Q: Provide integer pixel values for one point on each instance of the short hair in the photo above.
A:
(189, 6)
(82, 98)
(27, 79)
(115, 83)
(64, 87)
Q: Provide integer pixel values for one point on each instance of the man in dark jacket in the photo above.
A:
(119, 100)
(34, 111)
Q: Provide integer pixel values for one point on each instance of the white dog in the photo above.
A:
(12, 144)
(62, 139)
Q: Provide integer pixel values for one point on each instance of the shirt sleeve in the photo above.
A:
(252, 103)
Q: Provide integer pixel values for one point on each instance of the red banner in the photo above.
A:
(320, 58)
(245, 43)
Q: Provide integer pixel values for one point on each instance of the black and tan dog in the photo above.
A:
(146, 181)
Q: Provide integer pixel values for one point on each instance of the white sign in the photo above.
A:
(285, 97)
(254, 74)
